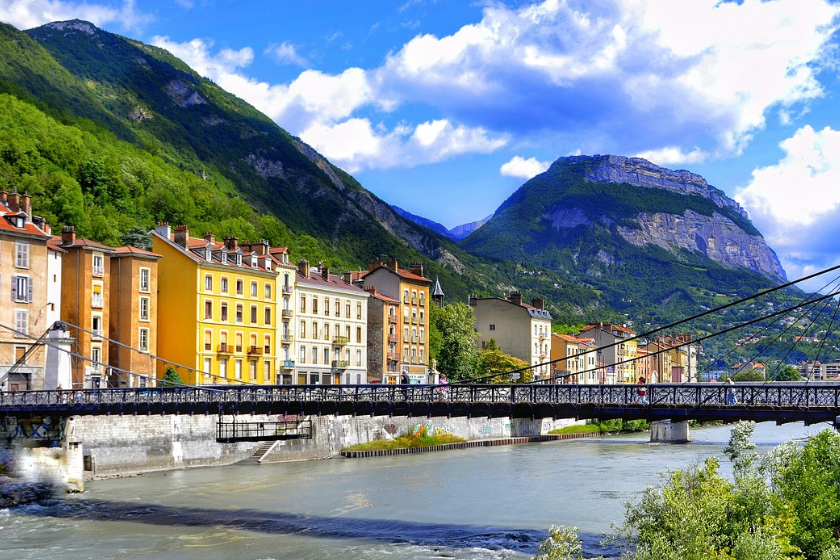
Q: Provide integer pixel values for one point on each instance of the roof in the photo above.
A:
(534, 312)
(28, 227)
(438, 291)
(401, 272)
(131, 251)
(81, 242)
(382, 297)
(197, 246)
(317, 280)
(53, 244)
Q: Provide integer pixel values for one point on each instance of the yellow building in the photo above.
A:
(217, 309)
(617, 347)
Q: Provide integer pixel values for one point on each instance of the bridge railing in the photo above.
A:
(792, 394)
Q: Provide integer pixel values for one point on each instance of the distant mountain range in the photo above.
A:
(112, 135)
(457, 233)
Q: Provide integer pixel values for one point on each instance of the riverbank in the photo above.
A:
(350, 454)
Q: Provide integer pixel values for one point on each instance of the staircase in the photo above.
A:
(259, 452)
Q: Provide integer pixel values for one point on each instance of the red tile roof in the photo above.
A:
(129, 250)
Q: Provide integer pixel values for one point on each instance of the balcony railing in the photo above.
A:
(340, 364)
(393, 356)
(255, 350)
(414, 320)
(393, 338)
(97, 300)
(287, 289)
(406, 300)
(99, 271)
(287, 339)
(286, 313)
(225, 348)
(414, 300)
(288, 364)
(392, 319)
(96, 333)
(422, 302)
(340, 340)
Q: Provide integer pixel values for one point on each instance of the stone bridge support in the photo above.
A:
(47, 449)
(666, 431)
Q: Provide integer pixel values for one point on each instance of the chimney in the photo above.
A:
(14, 202)
(515, 298)
(231, 243)
(182, 235)
(3, 196)
(209, 237)
(374, 264)
(539, 303)
(473, 301)
(417, 268)
(260, 248)
(46, 227)
(303, 266)
(392, 264)
(163, 229)
(325, 272)
(27, 204)
(68, 235)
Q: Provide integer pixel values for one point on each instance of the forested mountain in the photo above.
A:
(112, 136)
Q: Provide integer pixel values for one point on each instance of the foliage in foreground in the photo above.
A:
(782, 505)
(606, 427)
(420, 438)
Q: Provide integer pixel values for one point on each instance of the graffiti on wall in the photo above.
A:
(432, 430)
(44, 428)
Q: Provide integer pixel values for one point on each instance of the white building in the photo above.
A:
(331, 328)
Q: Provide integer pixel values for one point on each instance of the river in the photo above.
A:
(487, 503)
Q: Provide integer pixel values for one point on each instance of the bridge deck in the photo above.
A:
(772, 401)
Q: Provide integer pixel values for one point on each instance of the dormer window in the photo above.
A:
(267, 263)
(253, 260)
(224, 257)
(238, 259)
(20, 221)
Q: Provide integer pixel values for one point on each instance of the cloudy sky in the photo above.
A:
(445, 107)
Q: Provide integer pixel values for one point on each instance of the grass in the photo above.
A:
(606, 427)
(578, 429)
(421, 438)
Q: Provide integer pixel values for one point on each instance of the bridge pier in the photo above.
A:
(666, 431)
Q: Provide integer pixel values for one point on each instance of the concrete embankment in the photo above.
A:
(109, 446)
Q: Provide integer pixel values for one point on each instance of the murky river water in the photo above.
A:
(488, 503)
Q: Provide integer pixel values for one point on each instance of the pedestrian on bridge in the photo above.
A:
(730, 393)
(642, 391)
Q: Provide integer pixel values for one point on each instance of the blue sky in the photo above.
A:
(445, 107)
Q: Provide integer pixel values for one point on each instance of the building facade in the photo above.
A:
(217, 310)
(133, 321)
(616, 349)
(519, 329)
(331, 328)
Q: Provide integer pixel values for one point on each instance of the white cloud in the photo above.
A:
(524, 168)
(26, 14)
(286, 53)
(794, 203)
(674, 155)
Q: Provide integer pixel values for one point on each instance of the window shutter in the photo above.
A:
(14, 288)
(29, 293)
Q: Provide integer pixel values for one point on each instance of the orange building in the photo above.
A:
(85, 285)
(133, 317)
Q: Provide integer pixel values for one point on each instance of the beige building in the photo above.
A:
(574, 360)
(133, 317)
(286, 298)
(519, 329)
(404, 343)
(331, 328)
(383, 338)
(615, 349)
(24, 277)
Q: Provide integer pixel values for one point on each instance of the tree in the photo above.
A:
(171, 378)
(786, 373)
(751, 375)
(562, 543)
(458, 354)
(492, 360)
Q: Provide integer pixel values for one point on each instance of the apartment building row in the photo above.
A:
(607, 353)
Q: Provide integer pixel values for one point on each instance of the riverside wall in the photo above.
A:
(125, 445)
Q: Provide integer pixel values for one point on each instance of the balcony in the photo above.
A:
(96, 333)
(414, 320)
(97, 300)
(414, 300)
(422, 320)
(286, 313)
(225, 348)
(99, 271)
(422, 302)
(287, 289)
(287, 339)
(406, 300)
(239, 349)
(340, 340)
(340, 364)
(255, 351)
(392, 319)
(287, 364)
(414, 340)
(542, 336)
(393, 357)
(393, 338)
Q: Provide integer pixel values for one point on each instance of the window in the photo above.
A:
(314, 355)
(303, 329)
(224, 311)
(492, 327)
(96, 326)
(208, 283)
(327, 331)
(326, 306)
(326, 356)
(337, 308)
(22, 289)
(144, 309)
(268, 291)
(314, 304)
(144, 339)
(358, 357)
(240, 286)
(98, 265)
(21, 254)
(252, 369)
(253, 314)
(358, 335)
(96, 357)
(145, 279)
(238, 312)
(267, 371)
(224, 284)
(347, 309)
(97, 300)
(237, 369)
(358, 311)
(208, 309)
(303, 304)
(208, 340)
(223, 368)
(267, 345)
(315, 330)
(253, 289)
(303, 354)
(268, 316)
